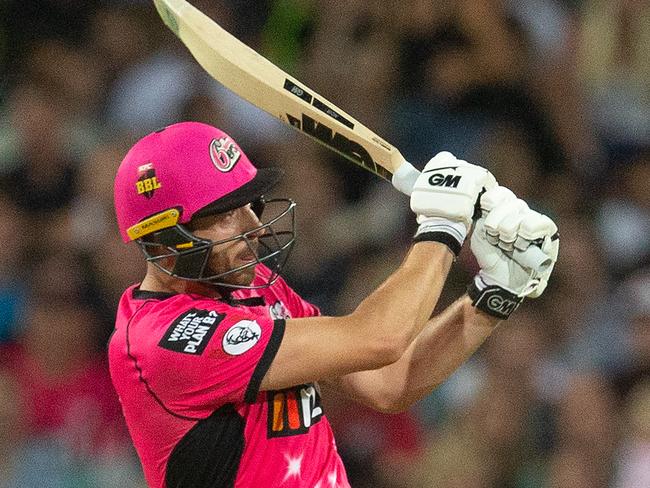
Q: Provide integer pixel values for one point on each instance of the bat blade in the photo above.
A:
(257, 80)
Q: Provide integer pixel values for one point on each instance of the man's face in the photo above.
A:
(236, 253)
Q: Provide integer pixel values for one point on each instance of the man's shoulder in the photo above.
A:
(167, 332)
(138, 304)
(157, 315)
(281, 294)
(166, 307)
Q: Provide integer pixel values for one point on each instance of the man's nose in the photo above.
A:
(256, 229)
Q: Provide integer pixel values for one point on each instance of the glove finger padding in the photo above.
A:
(537, 226)
(509, 225)
(496, 196)
(497, 268)
(502, 223)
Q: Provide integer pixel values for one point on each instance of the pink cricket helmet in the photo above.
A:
(191, 167)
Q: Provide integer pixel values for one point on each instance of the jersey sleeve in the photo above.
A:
(298, 306)
(205, 359)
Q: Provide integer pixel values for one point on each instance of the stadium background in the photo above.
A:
(552, 95)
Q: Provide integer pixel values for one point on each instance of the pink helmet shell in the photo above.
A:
(191, 166)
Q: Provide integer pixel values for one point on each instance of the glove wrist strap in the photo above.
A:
(451, 234)
(493, 299)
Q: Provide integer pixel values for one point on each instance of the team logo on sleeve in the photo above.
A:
(191, 332)
(278, 311)
(241, 337)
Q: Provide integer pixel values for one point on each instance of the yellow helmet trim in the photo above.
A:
(165, 219)
(185, 245)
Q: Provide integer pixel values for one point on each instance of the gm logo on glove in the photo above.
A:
(501, 305)
(440, 179)
(449, 181)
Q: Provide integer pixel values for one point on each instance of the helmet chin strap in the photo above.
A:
(192, 265)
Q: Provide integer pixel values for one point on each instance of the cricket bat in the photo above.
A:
(257, 80)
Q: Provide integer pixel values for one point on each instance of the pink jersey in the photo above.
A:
(188, 369)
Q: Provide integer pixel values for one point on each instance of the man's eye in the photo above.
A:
(225, 216)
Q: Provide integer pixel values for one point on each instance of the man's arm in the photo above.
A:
(445, 343)
(375, 334)
(380, 330)
(450, 338)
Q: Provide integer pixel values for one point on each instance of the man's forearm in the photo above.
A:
(449, 339)
(403, 303)
(446, 342)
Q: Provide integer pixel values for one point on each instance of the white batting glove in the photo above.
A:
(507, 226)
(444, 199)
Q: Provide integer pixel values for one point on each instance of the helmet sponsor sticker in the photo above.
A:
(224, 154)
(147, 182)
(241, 337)
(191, 332)
(165, 219)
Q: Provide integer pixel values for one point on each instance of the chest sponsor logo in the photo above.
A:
(278, 311)
(294, 410)
(191, 332)
(241, 337)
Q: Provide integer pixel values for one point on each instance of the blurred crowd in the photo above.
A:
(552, 95)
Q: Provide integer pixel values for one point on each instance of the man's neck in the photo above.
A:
(156, 281)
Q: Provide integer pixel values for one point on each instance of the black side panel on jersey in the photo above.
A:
(208, 455)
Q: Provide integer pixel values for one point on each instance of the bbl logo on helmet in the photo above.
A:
(147, 182)
(224, 154)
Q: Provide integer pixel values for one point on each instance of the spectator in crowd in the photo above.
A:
(12, 282)
(633, 460)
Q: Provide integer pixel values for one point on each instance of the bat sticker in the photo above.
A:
(338, 142)
(301, 93)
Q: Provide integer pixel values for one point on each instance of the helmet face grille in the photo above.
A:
(179, 253)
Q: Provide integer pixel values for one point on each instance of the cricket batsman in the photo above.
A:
(217, 361)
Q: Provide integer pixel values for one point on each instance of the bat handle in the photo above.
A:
(532, 258)
(404, 178)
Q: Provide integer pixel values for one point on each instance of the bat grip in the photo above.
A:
(532, 258)
(404, 178)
